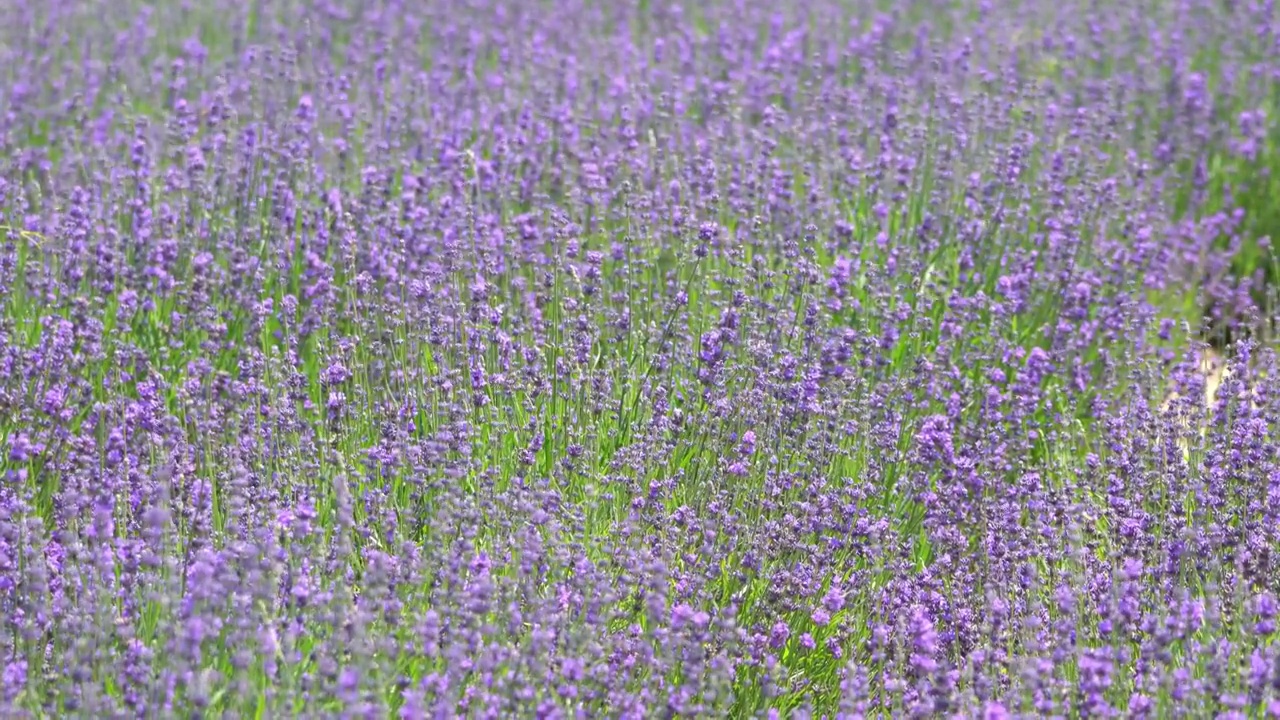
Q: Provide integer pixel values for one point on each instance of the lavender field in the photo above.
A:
(639, 359)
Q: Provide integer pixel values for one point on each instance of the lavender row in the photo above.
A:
(626, 359)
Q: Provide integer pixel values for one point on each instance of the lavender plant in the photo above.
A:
(636, 359)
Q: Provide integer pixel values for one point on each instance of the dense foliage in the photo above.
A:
(371, 358)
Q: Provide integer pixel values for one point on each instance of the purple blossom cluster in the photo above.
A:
(474, 358)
